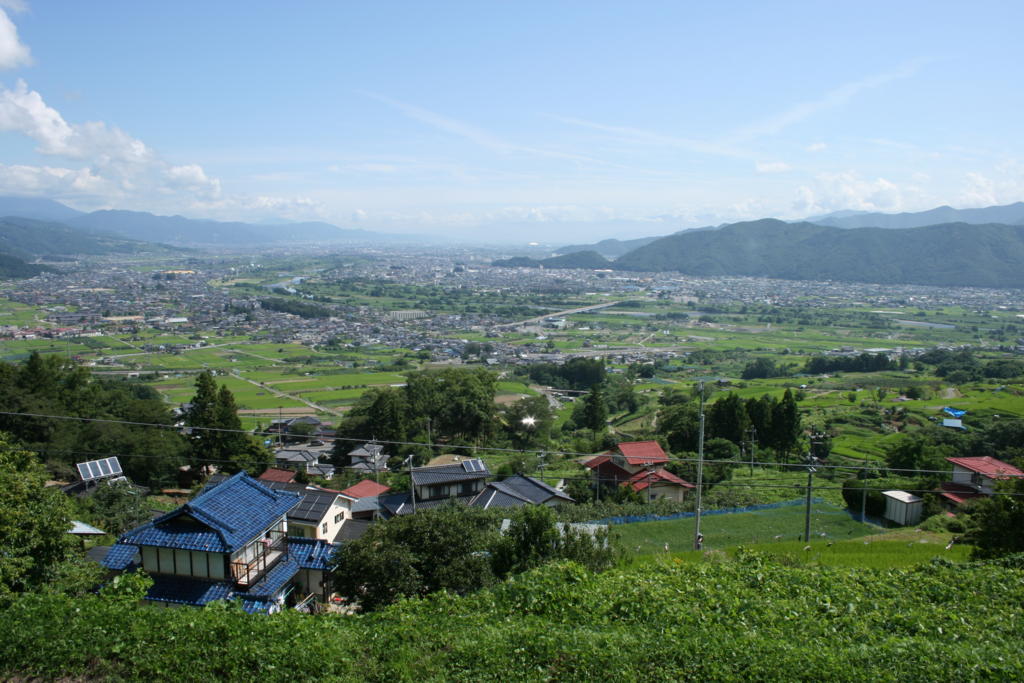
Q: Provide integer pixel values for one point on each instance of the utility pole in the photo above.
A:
(753, 447)
(412, 484)
(811, 459)
(698, 537)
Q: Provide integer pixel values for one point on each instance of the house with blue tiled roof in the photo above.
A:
(230, 541)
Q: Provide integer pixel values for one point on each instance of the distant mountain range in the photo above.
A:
(181, 231)
(1011, 214)
(952, 254)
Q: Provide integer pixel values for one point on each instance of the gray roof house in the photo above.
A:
(519, 490)
(461, 481)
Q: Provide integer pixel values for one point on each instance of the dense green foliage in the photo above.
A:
(864, 362)
(453, 405)
(48, 386)
(303, 309)
(34, 521)
(748, 619)
(576, 373)
(457, 549)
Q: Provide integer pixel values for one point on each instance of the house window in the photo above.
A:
(468, 487)
(338, 517)
(324, 528)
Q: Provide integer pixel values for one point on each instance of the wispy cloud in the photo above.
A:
(772, 167)
(641, 136)
(472, 133)
(834, 98)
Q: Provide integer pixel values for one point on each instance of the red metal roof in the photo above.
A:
(959, 493)
(274, 474)
(367, 488)
(641, 480)
(989, 466)
(642, 452)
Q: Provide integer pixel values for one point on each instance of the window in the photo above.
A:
(324, 528)
(338, 517)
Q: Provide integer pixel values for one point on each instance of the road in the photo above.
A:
(559, 314)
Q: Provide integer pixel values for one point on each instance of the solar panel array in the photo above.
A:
(98, 469)
(473, 465)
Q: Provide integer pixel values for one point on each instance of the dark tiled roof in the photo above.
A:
(401, 503)
(493, 497)
(352, 529)
(367, 450)
(222, 518)
(311, 553)
(467, 470)
(532, 489)
(365, 504)
(120, 556)
(313, 506)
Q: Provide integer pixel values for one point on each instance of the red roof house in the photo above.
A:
(638, 464)
(642, 453)
(274, 474)
(975, 477)
(367, 488)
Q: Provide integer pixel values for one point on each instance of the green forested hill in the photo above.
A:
(576, 259)
(14, 267)
(749, 619)
(955, 254)
(28, 238)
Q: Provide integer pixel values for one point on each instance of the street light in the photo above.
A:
(698, 537)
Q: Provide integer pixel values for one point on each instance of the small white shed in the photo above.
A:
(902, 508)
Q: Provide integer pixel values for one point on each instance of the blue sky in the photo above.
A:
(552, 120)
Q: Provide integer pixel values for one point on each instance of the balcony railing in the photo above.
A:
(263, 554)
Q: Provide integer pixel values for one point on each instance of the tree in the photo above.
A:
(533, 539)
(594, 410)
(680, 424)
(34, 521)
(441, 549)
(216, 436)
(727, 418)
(117, 507)
(786, 429)
(999, 522)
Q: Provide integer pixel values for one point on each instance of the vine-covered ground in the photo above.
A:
(743, 618)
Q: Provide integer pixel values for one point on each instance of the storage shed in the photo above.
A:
(902, 508)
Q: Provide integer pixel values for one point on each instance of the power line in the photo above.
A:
(501, 452)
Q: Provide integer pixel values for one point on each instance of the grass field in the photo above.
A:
(722, 531)
(884, 551)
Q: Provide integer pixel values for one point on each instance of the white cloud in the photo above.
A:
(13, 53)
(1005, 187)
(117, 169)
(847, 190)
(816, 147)
(772, 167)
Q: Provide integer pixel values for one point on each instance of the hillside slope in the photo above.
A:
(955, 254)
(28, 239)
(741, 620)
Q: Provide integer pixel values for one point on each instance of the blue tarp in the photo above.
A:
(953, 412)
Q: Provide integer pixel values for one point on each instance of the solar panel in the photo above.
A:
(99, 469)
(473, 465)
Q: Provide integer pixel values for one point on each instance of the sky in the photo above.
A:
(549, 120)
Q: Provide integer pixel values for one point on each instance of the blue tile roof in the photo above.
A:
(220, 519)
(256, 606)
(311, 553)
(185, 591)
(274, 580)
(121, 556)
